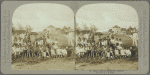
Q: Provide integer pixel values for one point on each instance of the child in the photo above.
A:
(82, 50)
(103, 42)
(122, 51)
(77, 49)
(64, 52)
(116, 53)
(47, 50)
(111, 52)
(59, 52)
(104, 51)
(108, 53)
(120, 42)
(116, 42)
(108, 41)
(128, 52)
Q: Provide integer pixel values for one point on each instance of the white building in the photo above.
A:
(116, 30)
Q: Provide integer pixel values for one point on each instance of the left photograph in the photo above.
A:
(43, 37)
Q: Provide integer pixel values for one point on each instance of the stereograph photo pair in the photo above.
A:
(75, 37)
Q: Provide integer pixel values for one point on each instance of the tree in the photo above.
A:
(28, 28)
(77, 28)
(85, 27)
(20, 26)
(93, 28)
(13, 29)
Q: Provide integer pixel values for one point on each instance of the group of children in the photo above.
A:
(105, 47)
(24, 48)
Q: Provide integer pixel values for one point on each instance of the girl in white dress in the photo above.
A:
(116, 53)
(128, 52)
(123, 53)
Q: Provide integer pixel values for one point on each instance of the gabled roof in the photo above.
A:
(116, 26)
(50, 26)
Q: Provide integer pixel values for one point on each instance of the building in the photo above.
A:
(58, 30)
(130, 31)
(123, 31)
(116, 29)
(51, 29)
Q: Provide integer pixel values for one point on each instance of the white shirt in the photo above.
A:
(119, 47)
(86, 36)
(13, 49)
(128, 52)
(108, 54)
(22, 36)
(116, 42)
(53, 52)
(77, 50)
(64, 51)
(55, 47)
(56, 42)
(120, 43)
(112, 41)
(48, 40)
(104, 49)
(59, 51)
(103, 43)
(123, 52)
(116, 52)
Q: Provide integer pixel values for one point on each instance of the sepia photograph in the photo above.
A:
(106, 37)
(43, 37)
(75, 37)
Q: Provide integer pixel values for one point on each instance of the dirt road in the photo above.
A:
(51, 64)
(110, 65)
(65, 64)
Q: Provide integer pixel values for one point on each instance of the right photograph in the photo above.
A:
(106, 37)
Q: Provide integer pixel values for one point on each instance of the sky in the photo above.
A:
(106, 15)
(41, 15)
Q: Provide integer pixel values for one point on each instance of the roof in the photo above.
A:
(20, 31)
(99, 33)
(50, 26)
(33, 33)
(85, 31)
(116, 26)
(58, 29)
(128, 32)
(110, 30)
(123, 29)
(130, 28)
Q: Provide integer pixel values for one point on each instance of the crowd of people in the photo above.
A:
(106, 47)
(45, 47)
